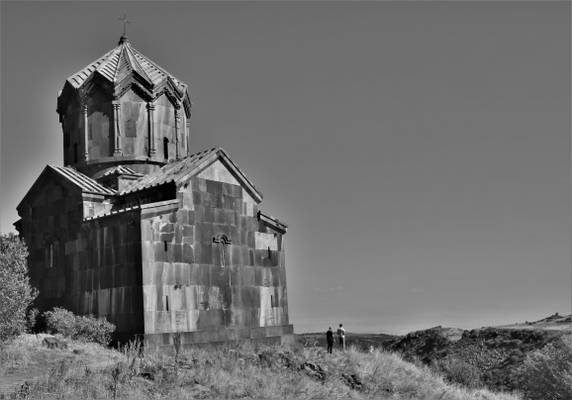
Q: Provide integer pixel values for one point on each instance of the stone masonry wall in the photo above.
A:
(216, 291)
(88, 267)
(48, 220)
(105, 268)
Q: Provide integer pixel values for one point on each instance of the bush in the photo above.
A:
(79, 327)
(458, 371)
(16, 294)
(547, 373)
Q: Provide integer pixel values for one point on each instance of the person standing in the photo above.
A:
(330, 339)
(342, 336)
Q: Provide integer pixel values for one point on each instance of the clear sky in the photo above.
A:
(419, 152)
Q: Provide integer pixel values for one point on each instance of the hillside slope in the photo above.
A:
(496, 354)
(247, 371)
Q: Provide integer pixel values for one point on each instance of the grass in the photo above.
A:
(246, 371)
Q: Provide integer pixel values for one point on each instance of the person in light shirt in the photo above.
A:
(342, 337)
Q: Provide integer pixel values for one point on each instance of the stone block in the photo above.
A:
(235, 255)
(217, 259)
(205, 274)
(159, 252)
(208, 214)
(194, 273)
(204, 232)
(213, 187)
(232, 190)
(191, 217)
(157, 273)
(188, 230)
(167, 237)
(178, 233)
(219, 216)
(177, 251)
(188, 200)
(206, 253)
(216, 201)
(188, 253)
(197, 199)
(227, 202)
(168, 274)
(202, 184)
(231, 217)
(209, 319)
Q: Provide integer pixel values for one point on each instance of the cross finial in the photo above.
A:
(125, 22)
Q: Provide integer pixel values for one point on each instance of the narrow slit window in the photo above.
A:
(50, 255)
(165, 244)
(167, 303)
(165, 148)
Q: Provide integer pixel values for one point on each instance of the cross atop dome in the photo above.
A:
(125, 22)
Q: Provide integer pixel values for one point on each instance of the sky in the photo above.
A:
(418, 151)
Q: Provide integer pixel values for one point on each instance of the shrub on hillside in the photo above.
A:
(16, 294)
(79, 327)
(547, 373)
(458, 371)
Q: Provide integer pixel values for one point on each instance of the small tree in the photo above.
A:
(16, 294)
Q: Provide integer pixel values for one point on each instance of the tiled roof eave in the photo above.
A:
(272, 221)
(146, 187)
(85, 183)
(112, 213)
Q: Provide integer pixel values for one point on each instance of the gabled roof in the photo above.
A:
(122, 61)
(84, 183)
(181, 170)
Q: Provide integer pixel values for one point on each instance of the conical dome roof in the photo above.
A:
(125, 65)
(123, 110)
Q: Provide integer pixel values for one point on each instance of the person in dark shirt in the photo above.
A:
(330, 339)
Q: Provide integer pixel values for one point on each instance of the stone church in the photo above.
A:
(140, 230)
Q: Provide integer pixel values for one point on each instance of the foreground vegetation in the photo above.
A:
(16, 294)
(91, 371)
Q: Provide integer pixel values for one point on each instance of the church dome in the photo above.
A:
(123, 108)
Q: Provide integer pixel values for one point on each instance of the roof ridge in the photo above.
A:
(151, 62)
(116, 69)
(133, 61)
(156, 66)
(94, 64)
